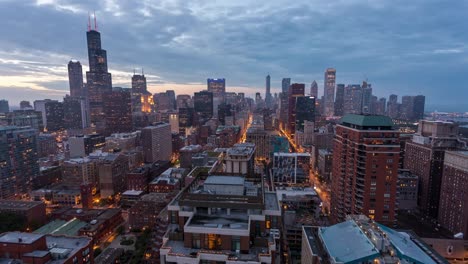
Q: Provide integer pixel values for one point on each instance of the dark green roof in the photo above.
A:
(367, 120)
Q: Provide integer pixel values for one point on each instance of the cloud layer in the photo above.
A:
(403, 47)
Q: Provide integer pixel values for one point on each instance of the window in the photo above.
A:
(235, 243)
(196, 241)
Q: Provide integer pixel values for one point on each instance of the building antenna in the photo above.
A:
(133, 71)
(95, 22)
(142, 71)
(89, 22)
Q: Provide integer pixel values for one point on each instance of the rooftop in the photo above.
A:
(336, 240)
(18, 205)
(61, 227)
(133, 193)
(241, 149)
(19, 237)
(367, 120)
(225, 180)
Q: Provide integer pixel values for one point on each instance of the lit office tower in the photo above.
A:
(142, 100)
(54, 116)
(203, 104)
(314, 89)
(424, 157)
(18, 160)
(339, 100)
(305, 111)
(329, 91)
(118, 111)
(158, 142)
(295, 90)
(75, 79)
(267, 91)
(453, 209)
(74, 112)
(366, 98)
(285, 83)
(4, 107)
(98, 80)
(393, 108)
(365, 168)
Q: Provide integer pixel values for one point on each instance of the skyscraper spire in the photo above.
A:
(89, 22)
(95, 22)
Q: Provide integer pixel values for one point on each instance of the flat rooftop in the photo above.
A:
(18, 205)
(19, 237)
(61, 227)
(225, 180)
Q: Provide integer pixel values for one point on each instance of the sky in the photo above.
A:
(402, 47)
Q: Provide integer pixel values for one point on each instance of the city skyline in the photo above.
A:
(398, 63)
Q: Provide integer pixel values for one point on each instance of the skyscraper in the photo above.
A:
(305, 111)
(75, 79)
(352, 99)
(118, 111)
(18, 161)
(285, 83)
(393, 106)
(25, 105)
(314, 89)
(158, 142)
(295, 90)
(365, 168)
(267, 92)
(203, 104)
(74, 111)
(406, 110)
(54, 115)
(339, 100)
(4, 107)
(366, 98)
(419, 102)
(329, 91)
(139, 84)
(98, 79)
(217, 87)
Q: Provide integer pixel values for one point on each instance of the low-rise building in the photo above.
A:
(33, 211)
(361, 240)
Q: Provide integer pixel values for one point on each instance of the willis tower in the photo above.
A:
(99, 81)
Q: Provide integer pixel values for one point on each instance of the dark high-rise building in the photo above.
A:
(161, 101)
(172, 99)
(54, 116)
(25, 105)
(419, 102)
(406, 110)
(224, 110)
(4, 107)
(314, 89)
(267, 91)
(23, 118)
(295, 90)
(75, 79)
(339, 100)
(305, 111)
(285, 83)
(424, 157)
(18, 161)
(74, 112)
(203, 104)
(393, 108)
(98, 79)
(139, 84)
(217, 87)
(118, 111)
(186, 116)
(329, 91)
(365, 168)
(283, 110)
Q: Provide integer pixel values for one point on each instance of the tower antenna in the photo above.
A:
(95, 22)
(89, 22)
(142, 71)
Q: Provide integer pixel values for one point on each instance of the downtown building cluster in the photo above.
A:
(216, 177)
